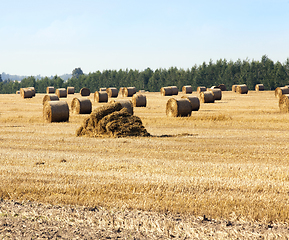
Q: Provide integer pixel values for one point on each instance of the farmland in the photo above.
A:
(228, 162)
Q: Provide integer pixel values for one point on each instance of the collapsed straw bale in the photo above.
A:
(178, 108)
(139, 100)
(50, 90)
(70, 90)
(195, 102)
(216, 92)
(201, 89)
(166, 91)
(125, 104)
(207, 97)
(56, 111)
(100, 96)
(242, 89)
(284, 103)
(84, 92)
(187, 89)
(279, 91)
(49, 97)
(25, 93)
(112, 92)
(129, 91)
(81, 106)
(32, 90)
(175, 90)
(102, 89)
(222, 87)
(112, 120)
(61, 92)
(259, 87)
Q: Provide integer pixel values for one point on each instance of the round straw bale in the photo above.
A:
(33, 91)
(56, 111)
(139, 100)
(279, 91)
(195, 102)
(201, 89)
(17, 92)
(125, 104)
(102, 89)
(284, 103)
(242, 89)
(187, 89)
(207, 97)
(112, 92)
(222, 87)
(25, 93)
(50, 90)
(259, 87)
(49, 97)
(175, 90)
(178, 108)
(61, 92)
(84, 92)
(166, 91)
(100, 96)
(213, 87)
(216, 92)
(81, 106)
(129, 91)
(121, 92)
(234, 88)
(70, 90)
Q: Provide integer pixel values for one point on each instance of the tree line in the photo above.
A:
(247, 72)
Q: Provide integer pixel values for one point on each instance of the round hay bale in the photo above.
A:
(139, 100)
(17, 92)
(84, 92)
(259, 87)
(201, 89)
(175, 90)
(213, 87)
(242, 89)
(234, 88)
(70, 90)
(112, 92)
(125, 104)
(32, 90)
(279, 91)
(25, 93)
(222, 87)
(166, 91)
(50, 90)
(102, 89)
(216, 92)
(129, 91)
(207, 97)
(195, 102)
(61, 92)
(81, 106)
(178, 108)
(284, 103)
(100, 96)
(49, 97)
(56, 111)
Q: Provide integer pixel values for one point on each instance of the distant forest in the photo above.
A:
(248, 72)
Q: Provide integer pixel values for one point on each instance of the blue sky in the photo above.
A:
(54, 37)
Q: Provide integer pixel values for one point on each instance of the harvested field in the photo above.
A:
(228, 161)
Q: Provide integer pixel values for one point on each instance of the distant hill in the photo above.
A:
(6, 76)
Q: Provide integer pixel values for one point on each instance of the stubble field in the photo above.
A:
(222, 172)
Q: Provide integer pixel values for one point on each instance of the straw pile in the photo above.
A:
(195, 102)
(259, 87)
(50, 90)
(166, 91)
(56, 111)
(125, 104)
(100, 96)
(178, 108)
(25, 93)
(32, 90)
(49, 97)
(102, 89)
(201, 89)
(112, 120)
(112, 92)
(207, 97)
(175, 90)
(279, 91)
(61, 92)
(242, 89)
(81, 106)
(70, 90)
(222, 87)
(84, 92)
(234, 88)
(129, 91)
(216, 92)
(284, 103)
(139, 100)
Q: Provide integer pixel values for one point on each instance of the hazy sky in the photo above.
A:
(54, 37)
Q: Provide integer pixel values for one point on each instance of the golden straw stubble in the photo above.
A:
(178, 108)
(56, 111)
(284, 103)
